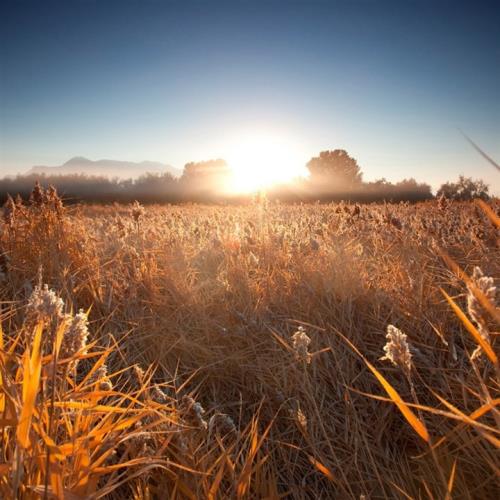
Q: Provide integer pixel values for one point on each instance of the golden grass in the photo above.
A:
(234, 352)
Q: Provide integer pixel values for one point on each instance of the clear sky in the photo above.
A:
(175, 81)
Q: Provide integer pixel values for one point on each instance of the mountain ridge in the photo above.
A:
(105, 167)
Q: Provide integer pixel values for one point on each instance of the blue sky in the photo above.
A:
(390, 82)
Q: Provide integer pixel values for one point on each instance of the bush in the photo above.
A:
(464, 189)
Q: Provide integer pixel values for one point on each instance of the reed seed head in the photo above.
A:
(397, 349)
(301, 343)
(486, 285)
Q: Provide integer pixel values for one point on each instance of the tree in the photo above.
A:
(205, 169)
(206, 178)
(405, 190)
(336, 169)
(411, 190)
(464, 189)
(155, 187)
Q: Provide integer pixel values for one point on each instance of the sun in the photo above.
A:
(259, 161)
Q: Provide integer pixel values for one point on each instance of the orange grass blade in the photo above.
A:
(485, 345)
(480, 296)
(413, 420)
(451, 481)
(255, 444)
(489, 212)
(492, 439)
(59, 338)
(79, 405)
(484, 409)
(401, 491)
(2, 395)
(324, 470)
(94, 368)
(97, 434)
(55, 452)
(417, 425)
(212, 493)
(455, 415)
(141, 460)
(31, 380)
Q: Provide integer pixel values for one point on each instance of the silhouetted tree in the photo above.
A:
(155, 187)
(205, 170)
(205, 178)
(335, 170)
(382, 182)
(411, 190)
(405, 190)
(464, 189)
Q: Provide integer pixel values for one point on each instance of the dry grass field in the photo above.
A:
(260, 351)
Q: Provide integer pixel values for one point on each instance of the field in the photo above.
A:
(236, 352)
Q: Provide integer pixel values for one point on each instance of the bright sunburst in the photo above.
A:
(261, 160)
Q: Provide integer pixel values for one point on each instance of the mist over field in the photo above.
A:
(105, 168)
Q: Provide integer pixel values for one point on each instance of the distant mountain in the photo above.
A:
(108, 168)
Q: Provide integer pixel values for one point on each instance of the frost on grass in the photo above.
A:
(193, 412)
(397, 349)
(45, 306)
(485, 285)
(301, 343)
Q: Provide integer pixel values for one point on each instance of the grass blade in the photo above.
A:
(485, 345)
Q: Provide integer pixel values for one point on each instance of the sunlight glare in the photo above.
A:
(260, 161)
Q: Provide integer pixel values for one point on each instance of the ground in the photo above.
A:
(235, 351)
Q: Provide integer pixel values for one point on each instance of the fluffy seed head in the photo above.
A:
(487, 286)
(137, 211)
(192, 412)
(222, 424)
(9, 212)
(139, 374)
(301, 419)
(75, 338)
(100, 377)
(158, 395)
(301, 343)
(44, 304)
(397, 349)
(37, 195)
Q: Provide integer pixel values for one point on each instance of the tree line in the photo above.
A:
(334, 175)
